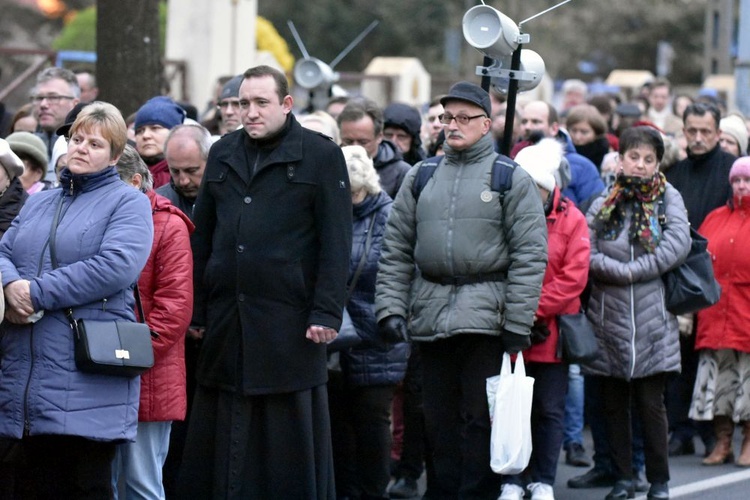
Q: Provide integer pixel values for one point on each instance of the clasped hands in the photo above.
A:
(18, 302)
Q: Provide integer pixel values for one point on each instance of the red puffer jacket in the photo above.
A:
(568, 248)
(166, 287)
(725, 324)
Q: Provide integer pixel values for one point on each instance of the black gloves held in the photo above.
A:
(539, 332)
(393, 329)
(513, 343)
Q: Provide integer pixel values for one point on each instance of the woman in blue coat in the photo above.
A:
(68, 422)
(360, 395)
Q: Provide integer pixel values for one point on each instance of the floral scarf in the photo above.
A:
(643, 193)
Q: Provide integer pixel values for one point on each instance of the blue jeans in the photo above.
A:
(574, 408)
(140, 463)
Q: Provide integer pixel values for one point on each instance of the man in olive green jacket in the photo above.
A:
(464, 268)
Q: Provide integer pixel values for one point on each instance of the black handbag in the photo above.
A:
(578, 344)
(692, 286)
(108, 347)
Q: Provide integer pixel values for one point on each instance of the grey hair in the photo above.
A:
(197, 132)
(55, 73)
(131, 163)
(362, 173)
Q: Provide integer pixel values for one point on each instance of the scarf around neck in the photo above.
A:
(642, 194)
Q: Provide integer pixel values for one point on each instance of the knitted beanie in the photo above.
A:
(541, 161)
(31, 145)
(740, 168)
(160, 110)
(735, 126)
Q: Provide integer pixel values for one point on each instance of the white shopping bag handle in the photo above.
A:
(519, 370)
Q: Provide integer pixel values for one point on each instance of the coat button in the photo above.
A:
(247, 199)
(240, 248)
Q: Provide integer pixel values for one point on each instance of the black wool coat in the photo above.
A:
(271, 257)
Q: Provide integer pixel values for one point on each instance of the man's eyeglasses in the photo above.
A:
(52, 99)
(446, 118)
(228, 104)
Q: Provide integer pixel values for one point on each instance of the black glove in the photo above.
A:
(393, 329)
(513, 343)
(539, 332)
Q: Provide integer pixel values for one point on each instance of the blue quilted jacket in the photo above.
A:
(102, 242)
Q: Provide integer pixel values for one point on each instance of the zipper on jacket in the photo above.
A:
(26, 422)
(449, 247)
(632, 321)
(104, 304)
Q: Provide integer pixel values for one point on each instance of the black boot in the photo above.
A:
(623, 489)
(658, 491)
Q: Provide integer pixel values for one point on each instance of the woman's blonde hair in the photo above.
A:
(110, 122)
(362, 173)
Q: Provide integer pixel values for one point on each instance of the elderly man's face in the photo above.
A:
(361, 133)
(460, 136)
(399, 137)
(53, 101)
(186, 164)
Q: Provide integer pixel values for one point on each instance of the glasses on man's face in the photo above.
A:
(447, 118)
(229, 104)
(51, 98)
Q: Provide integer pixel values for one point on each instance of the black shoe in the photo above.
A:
(404, 487)
(623, 489)
(575, 455)
(679, 447)
(658, 491)
(595, 478)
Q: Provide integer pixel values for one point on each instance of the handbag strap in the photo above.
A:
(53, 258)
(363, 260)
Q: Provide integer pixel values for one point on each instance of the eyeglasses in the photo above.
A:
(52, 99)
(229, 104)
(446, 118)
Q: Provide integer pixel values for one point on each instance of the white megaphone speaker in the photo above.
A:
(311, 73)
(531, 72)
(490, 31)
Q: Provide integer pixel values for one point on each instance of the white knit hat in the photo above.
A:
(541, 160)
(735, 126)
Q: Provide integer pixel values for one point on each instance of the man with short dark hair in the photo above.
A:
(703, 181)
(361, 124)
(271, 256)
(463, 266)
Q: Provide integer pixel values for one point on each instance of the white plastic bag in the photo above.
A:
(509, 396)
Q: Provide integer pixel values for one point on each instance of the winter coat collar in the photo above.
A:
(476, 152)
(74, 184)
(371, 204)
(387, 154)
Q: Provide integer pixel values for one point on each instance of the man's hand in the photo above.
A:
(196, 332)
(393, 329)
(320, 334)
(18, 297)
(513, 343)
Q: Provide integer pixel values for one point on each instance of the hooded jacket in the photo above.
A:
(460, 228)
(724, 325)
(637, 335)
(166, 288)
(391, 167)
(103, 240)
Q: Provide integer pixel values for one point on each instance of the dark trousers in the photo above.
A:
(68, 467)
(361, 437)
(598, 424)
(414, 451)
(457, 415)
(647, 396)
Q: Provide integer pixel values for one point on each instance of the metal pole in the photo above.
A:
(486, 79)
(510, 110)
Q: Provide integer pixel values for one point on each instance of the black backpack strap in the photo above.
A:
(424, 174)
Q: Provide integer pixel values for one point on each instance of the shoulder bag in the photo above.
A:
(108, 347)
(692, 286)
(577, 343)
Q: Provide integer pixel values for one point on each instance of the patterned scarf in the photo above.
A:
(643, 194)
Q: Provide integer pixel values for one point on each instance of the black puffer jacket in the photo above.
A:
(11, 202)
(374, 362)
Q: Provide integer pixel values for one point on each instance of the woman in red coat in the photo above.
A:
(722, 387)
(166, 289)
(564, 280)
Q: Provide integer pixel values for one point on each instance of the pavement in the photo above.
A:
(690, 480)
